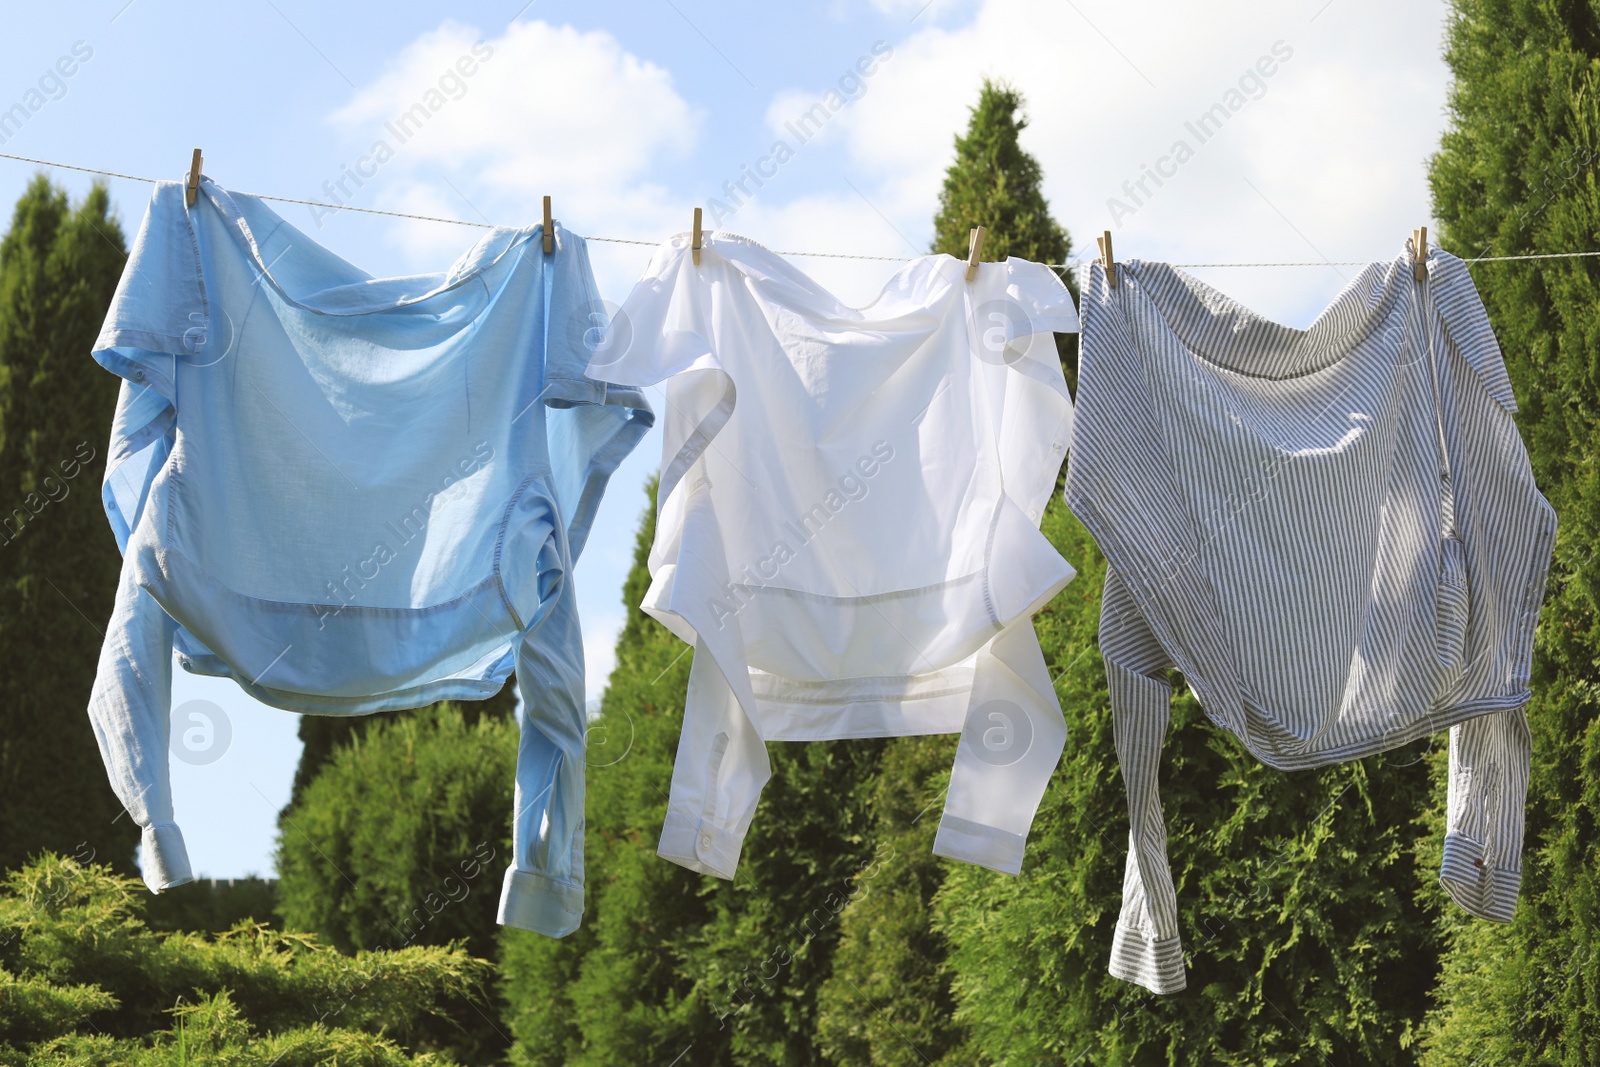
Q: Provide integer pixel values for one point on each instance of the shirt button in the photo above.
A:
(1033, 513)
(1057, 446)
(138, 375)
(705, 840)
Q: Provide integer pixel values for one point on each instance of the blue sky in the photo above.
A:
(631, 113)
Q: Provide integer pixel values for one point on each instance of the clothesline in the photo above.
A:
(808, 255)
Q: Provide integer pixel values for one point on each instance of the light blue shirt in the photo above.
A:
(352, 494)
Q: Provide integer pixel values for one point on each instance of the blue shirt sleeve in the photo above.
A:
(158, 316)
(591, 425)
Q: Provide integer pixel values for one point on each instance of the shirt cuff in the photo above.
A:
(531, 901)
(971, 842)
(163, 857)
(699, 845)
(1156, 965)
(1482, 890)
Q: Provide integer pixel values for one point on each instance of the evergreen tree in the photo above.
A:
(891, 957)
(212, 905)
(403, 836)
(322, 735)
(1298, 907)
(58, 560)
(402, 839)
(888, 1000)
(1517, 175)
(995, 183)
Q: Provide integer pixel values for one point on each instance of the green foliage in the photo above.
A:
(1517, 174)
(322, 735)
(214, 1031)
(212, 905)
(76, 956)
(33, 1009)
(995, 183)
(888, 1000)
(400, 840)
(401, 837)
(58, 560)
(668, 960)
(891, 957)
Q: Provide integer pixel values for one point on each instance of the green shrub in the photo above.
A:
(83, 980)
(402, 839)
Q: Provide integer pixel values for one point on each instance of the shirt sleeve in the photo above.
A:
(591, 425)
(1146, 948)
(543, 888)
(1467, 323)
(158, 316)
(718, 775)
(130, 708)
(664, 326)
(1481, 867)
(664, 330)
(995, 792)
(1017, 308)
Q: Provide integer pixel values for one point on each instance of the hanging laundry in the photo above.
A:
(848, 525)
(351, 495)
(1334, 534)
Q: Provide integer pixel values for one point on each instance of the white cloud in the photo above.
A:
(1331, 160)
(549, 108)
(544, 110)
(792, 106)
(1337, 144)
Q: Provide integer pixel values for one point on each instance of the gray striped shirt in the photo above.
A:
(1333, 533)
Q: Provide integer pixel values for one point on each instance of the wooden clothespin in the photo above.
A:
(549, 234)
(694, 245)
(191, 189)
(974, 250)
(1419, 254)
(1107, 259)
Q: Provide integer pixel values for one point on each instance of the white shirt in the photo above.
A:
(1333, 533)
(848, 528)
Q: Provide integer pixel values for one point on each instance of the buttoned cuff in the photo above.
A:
(1156, 965)
(163, 857)
(700, 845)
(531, 901)
(1481, 889)
(971, 842)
